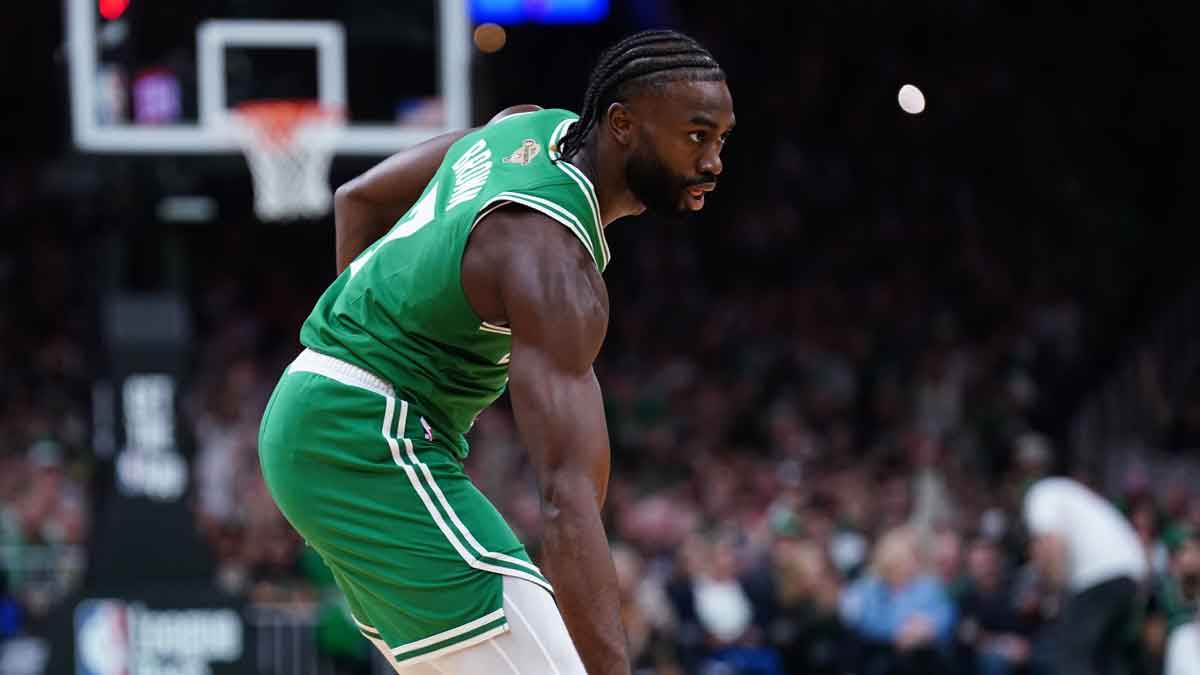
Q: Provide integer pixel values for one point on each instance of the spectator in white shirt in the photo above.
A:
(1084, 546)
(1183, 650)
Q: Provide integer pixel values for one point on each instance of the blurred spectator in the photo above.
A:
(996, 635)
(645, 614)
(1146, 518)
(717, 617)
(10, 611)
(1174, 597)
(253, 545)
(1082, 543)
(801, 610)
(933, 506)
(946, 559)
(1183, 650)
(849, 546)
(42, 528)
(51, 509)
(1034, 459)
(901, 614)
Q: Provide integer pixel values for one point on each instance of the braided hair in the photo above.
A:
(643, 59)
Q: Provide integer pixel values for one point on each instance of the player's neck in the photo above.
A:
(606, 170)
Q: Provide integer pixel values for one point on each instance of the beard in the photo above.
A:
(657, 187)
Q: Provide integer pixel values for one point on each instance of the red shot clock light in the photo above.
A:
(113, 9)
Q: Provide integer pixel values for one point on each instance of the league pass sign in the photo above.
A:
(113, 637)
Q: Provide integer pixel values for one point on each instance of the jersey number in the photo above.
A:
(420, 215)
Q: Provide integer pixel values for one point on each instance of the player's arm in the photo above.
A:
(549, 290)
(367, 206)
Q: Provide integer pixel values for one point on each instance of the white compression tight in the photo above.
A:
(536, 642)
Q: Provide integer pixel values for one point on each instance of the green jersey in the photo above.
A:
(399, 309)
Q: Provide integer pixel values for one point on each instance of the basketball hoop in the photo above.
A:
(289, 145)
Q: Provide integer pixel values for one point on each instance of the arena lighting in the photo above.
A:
(507, 12)
(113, 9)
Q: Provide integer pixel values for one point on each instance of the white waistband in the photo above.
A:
(336, 369)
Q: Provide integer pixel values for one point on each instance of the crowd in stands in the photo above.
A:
(805, 477)
(817, 478)
(816, 475)
(45, 432)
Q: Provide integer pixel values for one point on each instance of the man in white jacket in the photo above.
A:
(1082, 544)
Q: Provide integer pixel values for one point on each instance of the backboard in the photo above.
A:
(160, 79)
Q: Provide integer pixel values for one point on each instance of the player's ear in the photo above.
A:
(620, 122)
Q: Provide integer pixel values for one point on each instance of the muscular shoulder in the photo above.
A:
(529, 270)
(514, 110)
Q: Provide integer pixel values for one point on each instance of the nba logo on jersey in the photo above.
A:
(428, 429)
(524, 154)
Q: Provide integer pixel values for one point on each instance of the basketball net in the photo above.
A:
(289, 146)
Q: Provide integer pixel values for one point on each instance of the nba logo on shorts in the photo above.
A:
(102, 638)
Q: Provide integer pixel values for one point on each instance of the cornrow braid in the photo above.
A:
(642, 59)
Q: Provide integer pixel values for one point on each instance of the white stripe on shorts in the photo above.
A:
(536, 644)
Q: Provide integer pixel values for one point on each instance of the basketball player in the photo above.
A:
(490, 278)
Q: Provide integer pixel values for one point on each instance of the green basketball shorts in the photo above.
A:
(416, 548)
